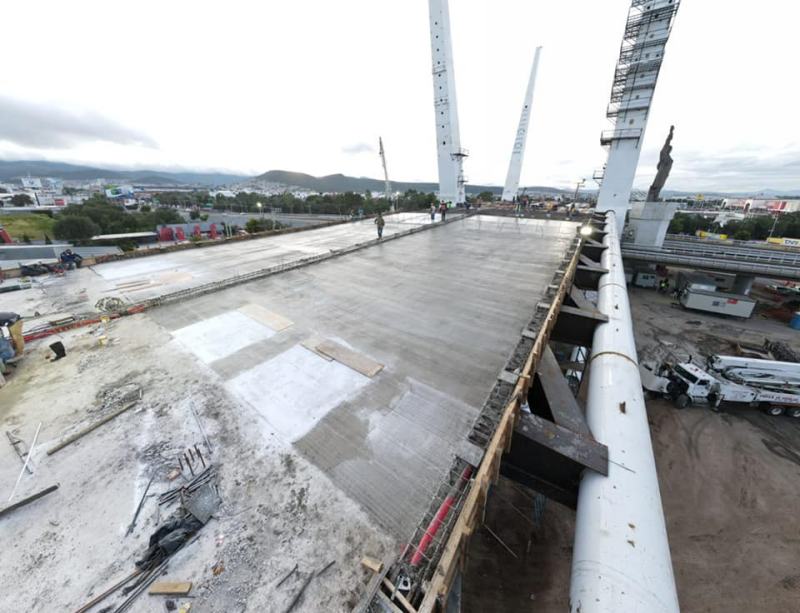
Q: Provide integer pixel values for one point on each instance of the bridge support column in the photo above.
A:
(650, 221)
(742, 284)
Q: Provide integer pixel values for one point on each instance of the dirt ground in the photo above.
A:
(729, 484)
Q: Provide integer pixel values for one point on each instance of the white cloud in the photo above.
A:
(357, 148)
(28, 124)
(252, 86)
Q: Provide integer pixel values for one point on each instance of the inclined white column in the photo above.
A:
(621, 560)
(518, 151)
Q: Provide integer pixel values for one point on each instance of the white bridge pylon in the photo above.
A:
(450, 155)
(518, 151)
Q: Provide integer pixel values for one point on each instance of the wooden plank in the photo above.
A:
(352, 359)
(471, 509)
(311, 344)
(388, 603)
(265, 316)
(399, 596)
(373, 588)
(372, 564)
(170, 588)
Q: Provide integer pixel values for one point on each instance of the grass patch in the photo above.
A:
(32, 224)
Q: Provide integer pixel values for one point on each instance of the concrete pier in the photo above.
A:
(649, 222)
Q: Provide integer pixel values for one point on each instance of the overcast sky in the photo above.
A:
(309, 85)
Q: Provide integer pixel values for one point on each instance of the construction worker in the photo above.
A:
(380, 222)
(14, 345)
(70, 259)
(6, 349)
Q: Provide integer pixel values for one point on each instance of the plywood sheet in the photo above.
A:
(311, 344)
(275, 321)
(357, 361)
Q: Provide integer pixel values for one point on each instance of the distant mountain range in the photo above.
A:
(343, 183)
(75, 172)
(329, 183)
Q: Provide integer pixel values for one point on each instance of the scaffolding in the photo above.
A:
(648, 26)
(640, 59)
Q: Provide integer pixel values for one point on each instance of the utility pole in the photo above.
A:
(387, 187)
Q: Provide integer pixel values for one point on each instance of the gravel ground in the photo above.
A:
(277, 509)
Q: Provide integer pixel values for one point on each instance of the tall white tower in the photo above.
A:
(448, 141)
(387, 185)
(518, 151)
(646, 33)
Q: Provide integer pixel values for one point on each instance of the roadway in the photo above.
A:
(735, 258)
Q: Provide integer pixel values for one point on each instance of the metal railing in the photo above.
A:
(782, 266)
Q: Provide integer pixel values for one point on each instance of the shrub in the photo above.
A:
(75, 228)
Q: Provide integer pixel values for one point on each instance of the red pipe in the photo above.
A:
(33, 336)
(438, 519)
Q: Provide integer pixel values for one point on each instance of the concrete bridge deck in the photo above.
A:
(316, 459)
(440, 310)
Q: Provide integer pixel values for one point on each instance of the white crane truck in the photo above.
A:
(771, 386)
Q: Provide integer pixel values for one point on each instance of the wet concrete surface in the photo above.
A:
(137, 279)
(729, 484)
(153, 276)
(441, 310)
(240, 219)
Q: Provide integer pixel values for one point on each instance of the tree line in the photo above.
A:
(324, 204)
(757, 228)
(98, 215)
